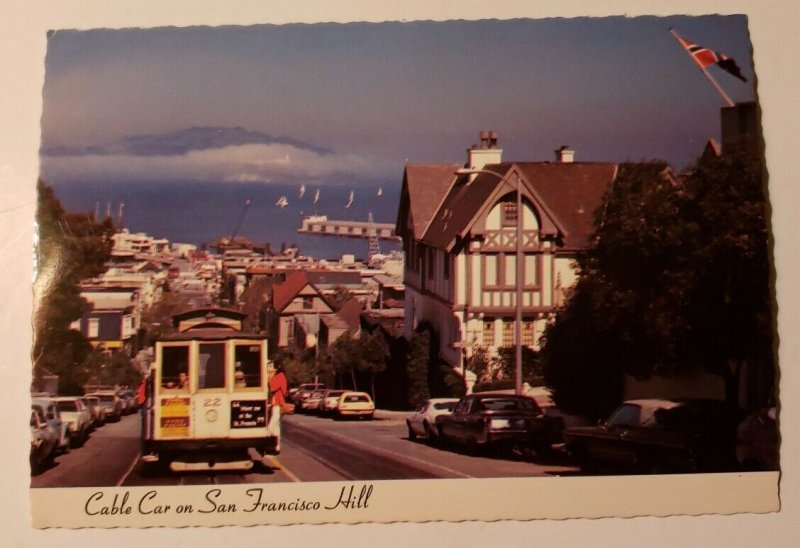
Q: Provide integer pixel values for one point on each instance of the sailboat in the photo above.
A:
(380, 191)
(302, 190)
(282, 202)
(350, 200)
(316, 196)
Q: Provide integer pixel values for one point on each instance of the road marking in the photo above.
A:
(130, 469)
(278, 464)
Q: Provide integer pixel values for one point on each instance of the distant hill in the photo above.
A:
(181, 142)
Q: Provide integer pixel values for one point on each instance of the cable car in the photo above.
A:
(207, 395)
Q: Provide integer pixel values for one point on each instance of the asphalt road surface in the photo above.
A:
(312, 449)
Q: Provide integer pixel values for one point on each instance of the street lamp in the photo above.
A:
(519, 272)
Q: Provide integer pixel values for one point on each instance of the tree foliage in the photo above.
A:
(364, 355)
(70, 247)
(676, 280)
(417, 370)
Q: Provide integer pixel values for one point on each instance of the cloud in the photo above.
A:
(213, 156)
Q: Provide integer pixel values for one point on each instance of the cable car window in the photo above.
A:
(247, 373)
(211, 373)
(175, 367)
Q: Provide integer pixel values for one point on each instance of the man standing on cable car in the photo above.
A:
(278, 388)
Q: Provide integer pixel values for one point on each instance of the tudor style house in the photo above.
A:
(459, 238)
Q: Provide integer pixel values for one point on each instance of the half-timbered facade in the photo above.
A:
(459, 237)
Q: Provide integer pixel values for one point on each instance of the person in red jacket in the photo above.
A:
(278, 388)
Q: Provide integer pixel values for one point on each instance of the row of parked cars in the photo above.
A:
(339, 404)
(64, 422)
(644, 435)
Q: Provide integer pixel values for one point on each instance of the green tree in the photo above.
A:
(676, 280)
(507, 360)
(417, 370)
(70, 248)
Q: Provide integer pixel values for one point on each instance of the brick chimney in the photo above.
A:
(565, 155)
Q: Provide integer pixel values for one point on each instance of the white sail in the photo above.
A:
(350, 199)
(380, 191)
(316, 196)
(302, 190)
(282, 202)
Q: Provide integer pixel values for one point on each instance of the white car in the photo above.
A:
(44, 439)
(77, 417)
(53, 418)
(329, 401)
(355, 404)
(423, 421)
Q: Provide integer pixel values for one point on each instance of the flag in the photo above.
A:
(705, 57)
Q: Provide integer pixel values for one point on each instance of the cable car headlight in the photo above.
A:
(212, 415)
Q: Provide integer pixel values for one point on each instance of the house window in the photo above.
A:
(93, 329)
(447, 267)
(527, 333)
(508, 333)
(509, 213)
(431, 256)
(488, 332)
(491, 272)
(308, 303)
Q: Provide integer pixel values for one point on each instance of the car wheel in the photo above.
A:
(75, 439)
(429, 432)
(411, 434)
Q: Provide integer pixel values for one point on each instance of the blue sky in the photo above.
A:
(331, 102)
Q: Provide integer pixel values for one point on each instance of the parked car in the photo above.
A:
(129, 400)
(499, 421)
(654, 435)
(44, 439)
(329, 401)
(312, 402)
(304, 392)
(757, 441)
(53, 418)
(355, 404)
(98, 415)
(77, 417)
(423, 421)
(111, 404)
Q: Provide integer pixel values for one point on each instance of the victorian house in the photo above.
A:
(459, 224)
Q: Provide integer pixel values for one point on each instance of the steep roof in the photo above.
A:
(350, 313)
(569, 193)
(573, 192)
(283, 293)
(424, 187)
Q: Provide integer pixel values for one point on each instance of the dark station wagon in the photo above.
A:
(658, 435)
(494, 420)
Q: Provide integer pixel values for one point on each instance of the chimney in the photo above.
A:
(484, 154)
(565, 155)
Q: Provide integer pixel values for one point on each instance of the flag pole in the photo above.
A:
(711, 79)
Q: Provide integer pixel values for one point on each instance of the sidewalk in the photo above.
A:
(385, 415)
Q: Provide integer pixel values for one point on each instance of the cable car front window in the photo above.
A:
(175, 368)
(211, 373)
(247, 373)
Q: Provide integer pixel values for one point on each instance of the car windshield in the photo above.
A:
(507, 404)
(106, 399)
(445, 406)
(356, 398)
(67, 406)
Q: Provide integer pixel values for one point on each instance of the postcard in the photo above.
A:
(403, 270)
